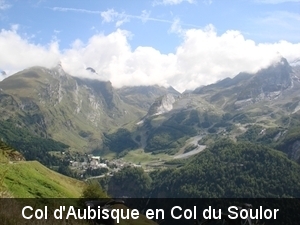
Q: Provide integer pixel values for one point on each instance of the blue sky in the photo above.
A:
(184, 43)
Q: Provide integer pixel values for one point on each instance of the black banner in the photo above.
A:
(150, 211)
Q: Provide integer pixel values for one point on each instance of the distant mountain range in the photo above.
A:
(249, 125)
(91, 115)
(53, 104)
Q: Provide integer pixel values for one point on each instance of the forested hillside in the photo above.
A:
(226, 169)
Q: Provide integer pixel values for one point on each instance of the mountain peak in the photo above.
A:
(281, 62)
(59, 68)
(92, 70)
(2, 72)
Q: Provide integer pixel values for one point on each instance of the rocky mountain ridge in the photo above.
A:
(270, 98)
(92, 115)
(76, 111)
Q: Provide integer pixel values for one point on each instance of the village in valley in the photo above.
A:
(92, 166)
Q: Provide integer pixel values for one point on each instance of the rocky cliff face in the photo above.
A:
(144, 96)
(52, 103)
(9, 154)
(268, 83)
(162, 105)
(247, 89)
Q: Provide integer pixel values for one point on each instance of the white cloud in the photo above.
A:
(145, 15)
(171, 2)
(176, 27)
(207, 57)
(4, 5)
(109, 15)
(14, 27)
(203, 57)
(78, 10)
(18, 53)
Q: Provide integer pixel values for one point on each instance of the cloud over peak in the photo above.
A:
(201, 58)
(18, 53)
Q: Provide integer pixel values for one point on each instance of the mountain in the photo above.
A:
(268, 98)
(92, 70)
(162, 105)
(278, 80)
(81, 113)
(237, 137)
(52, 103)
(250, 127)
(144, 96)
(91, 115)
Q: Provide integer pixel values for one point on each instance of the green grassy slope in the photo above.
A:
(32, 179)
(26, 179)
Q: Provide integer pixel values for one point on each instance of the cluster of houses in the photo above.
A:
(96, 162)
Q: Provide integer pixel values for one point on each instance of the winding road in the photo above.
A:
(198, 149)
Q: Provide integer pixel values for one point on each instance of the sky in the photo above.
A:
(182, 43)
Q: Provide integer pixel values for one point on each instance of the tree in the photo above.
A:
(93, 190)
